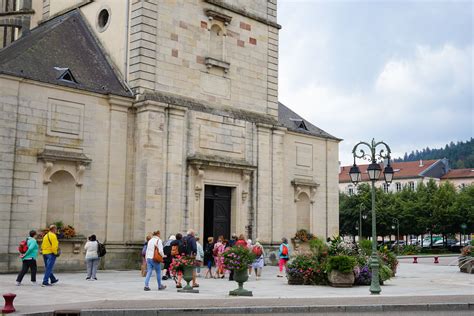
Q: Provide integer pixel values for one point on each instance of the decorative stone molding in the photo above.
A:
(222, 162)
(198, 184)
(245, 184)
(213, 62)
(303, 185)
(51, 158)
(214, 15)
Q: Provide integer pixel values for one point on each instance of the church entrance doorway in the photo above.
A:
(217, 216)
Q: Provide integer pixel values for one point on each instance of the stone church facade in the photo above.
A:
(124, 117)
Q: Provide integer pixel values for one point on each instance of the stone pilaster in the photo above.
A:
(278, 180)
(264, 184)
(177, 214)
(148, 213)
(117, 168)
(272, 71)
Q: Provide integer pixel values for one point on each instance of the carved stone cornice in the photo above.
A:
(304, 185)
(222, 162)
(214, 15)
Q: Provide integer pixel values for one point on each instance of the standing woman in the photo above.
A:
(92, 257)
(258, 264)
(208, 259)
(29, 259)
(155, 242)
(284, 254)
(218, 250)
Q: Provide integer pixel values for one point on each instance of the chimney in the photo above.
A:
(421, 163)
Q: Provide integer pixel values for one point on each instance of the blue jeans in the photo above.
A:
(49, 261)
(150, 266)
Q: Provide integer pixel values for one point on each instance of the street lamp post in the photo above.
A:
(398, 232)
(360, 220)
(374, 170)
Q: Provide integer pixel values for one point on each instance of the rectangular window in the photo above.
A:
(398, 186)
(350, 190)
(411, 185)
(385, 187)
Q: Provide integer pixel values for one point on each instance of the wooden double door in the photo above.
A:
(217, 216)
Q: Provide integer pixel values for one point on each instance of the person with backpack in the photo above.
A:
(190, 246)
(28, 252)
(168, 257)
(258, 264)
(208, 259)
(154, 243)
(92, 257)
(50, 250)
(284, 255)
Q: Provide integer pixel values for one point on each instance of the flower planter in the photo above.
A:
(466, 264)
(339, 279)
(188, 277)
(295, 280)
(241, 276)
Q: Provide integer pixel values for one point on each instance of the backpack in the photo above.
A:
(101, 251)
(23, 246)
(182, 247)
(167, 250)
(174, 250)
(284, 250)
(257, 251)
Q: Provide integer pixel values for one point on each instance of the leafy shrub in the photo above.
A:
(389, 258)
(342, 263)
(318, 248)
(238, 258)
(466, 251)
(410, 250)
(340, 247)
(309, 269)
(385, 272)
(365, 247)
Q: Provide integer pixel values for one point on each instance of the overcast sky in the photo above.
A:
(399, 71)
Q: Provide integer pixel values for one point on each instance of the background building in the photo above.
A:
(124, 117)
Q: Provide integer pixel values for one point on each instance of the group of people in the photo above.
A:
(50, 251)
(177, 245)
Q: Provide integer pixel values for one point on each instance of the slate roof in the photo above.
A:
(62, 42)
(294, 122)
(402, 170)
(459, 174)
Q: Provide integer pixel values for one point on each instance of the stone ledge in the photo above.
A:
(223, 162)
(58, 155)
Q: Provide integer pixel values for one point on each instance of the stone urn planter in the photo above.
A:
(188, 277)
(241, 276)
(339, 279)
(466, 264)
(300, 247)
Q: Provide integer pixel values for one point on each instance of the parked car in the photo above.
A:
(458, 245)
(440, 243)
(397, 243)
(427, 241)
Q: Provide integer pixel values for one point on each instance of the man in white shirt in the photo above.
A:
(154, 242)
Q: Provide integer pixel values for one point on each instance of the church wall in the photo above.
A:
(311, 160)
(64, 120)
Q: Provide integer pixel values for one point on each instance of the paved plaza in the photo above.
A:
(421, 284)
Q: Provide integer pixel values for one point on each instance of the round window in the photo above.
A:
(103, 19)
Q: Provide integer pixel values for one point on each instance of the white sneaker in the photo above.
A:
(34, 283)
(18, 283)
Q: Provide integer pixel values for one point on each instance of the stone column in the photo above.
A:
(176, 213)
(278, 183)
(117, 162)
(264, 184)
(148, 212)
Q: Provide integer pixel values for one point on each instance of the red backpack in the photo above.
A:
(23, 246)
(257, 251)
(284, 250)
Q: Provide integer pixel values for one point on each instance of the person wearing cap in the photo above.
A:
(29, 259)
(50, 250)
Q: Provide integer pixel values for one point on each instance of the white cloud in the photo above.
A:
(411, 104)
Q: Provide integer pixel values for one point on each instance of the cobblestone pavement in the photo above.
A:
(422, 283)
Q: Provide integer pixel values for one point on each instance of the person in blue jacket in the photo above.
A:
(29, 259)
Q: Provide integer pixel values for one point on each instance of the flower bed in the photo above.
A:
(338, 255)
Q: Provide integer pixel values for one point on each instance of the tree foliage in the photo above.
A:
(460, 154)
(430, 209)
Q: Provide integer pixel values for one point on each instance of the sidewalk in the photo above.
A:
(425, 286)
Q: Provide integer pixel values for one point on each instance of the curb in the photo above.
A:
(269, 310)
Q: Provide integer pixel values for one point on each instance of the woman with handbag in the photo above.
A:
(154, 258)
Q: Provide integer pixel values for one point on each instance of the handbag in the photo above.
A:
(157, 256)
